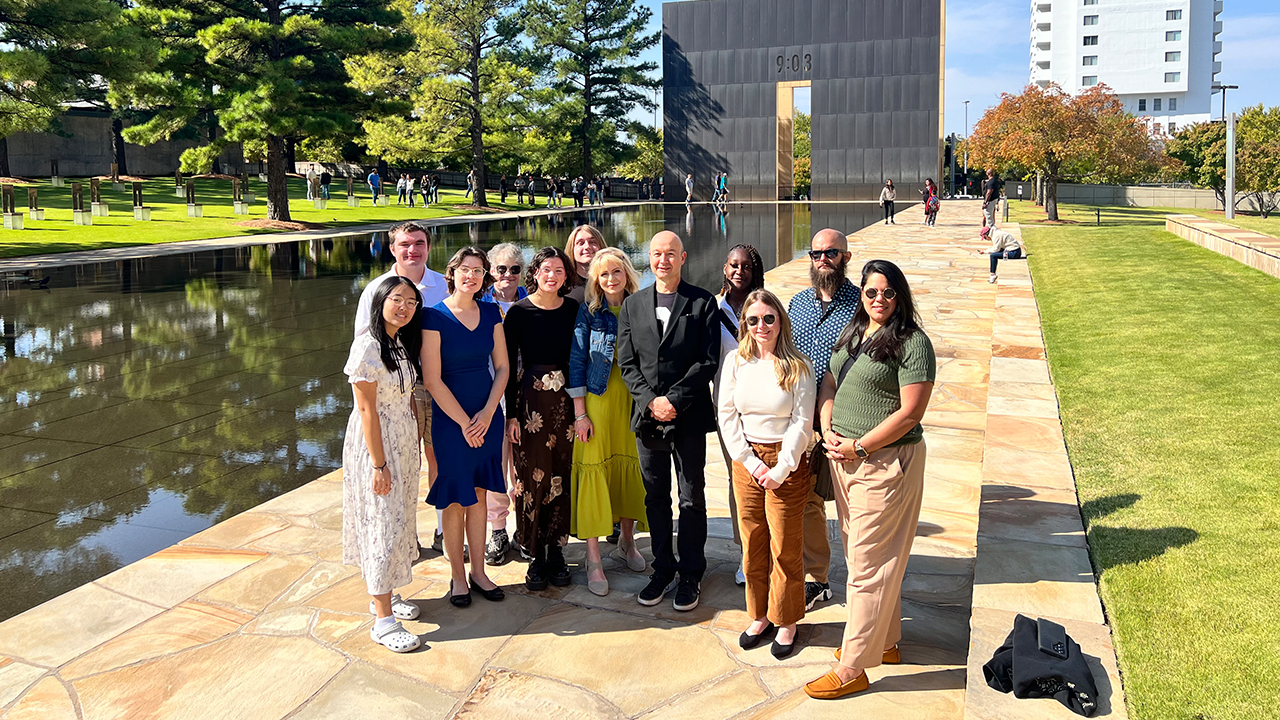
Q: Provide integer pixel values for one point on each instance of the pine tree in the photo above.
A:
(595, 45)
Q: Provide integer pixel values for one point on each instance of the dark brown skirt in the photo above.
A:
(543, 462)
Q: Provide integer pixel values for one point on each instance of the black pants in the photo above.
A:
(689, 450)
(1006, 254)
(888, 210)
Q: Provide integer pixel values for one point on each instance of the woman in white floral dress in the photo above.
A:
(380, 459)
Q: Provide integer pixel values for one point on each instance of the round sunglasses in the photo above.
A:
(887, 293)
(504, 270)
(769, 319)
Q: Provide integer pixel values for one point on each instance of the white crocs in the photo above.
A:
(395, 638)
(400, 609)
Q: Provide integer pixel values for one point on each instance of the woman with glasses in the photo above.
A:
(873, 397)
(506, 263)
(583, 244)
(467, 421)
(607, 486)
(766, 418)
(539, 331)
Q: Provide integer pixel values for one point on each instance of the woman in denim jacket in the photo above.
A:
(606, 485)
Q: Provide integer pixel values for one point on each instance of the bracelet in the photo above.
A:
(383, 466)
(583, 416)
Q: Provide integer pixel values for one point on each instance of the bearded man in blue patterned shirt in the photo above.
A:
(819, 314)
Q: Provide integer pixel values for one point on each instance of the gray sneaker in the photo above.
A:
(495, 553)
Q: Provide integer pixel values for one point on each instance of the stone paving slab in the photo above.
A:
(1258, 251)
(257, 617)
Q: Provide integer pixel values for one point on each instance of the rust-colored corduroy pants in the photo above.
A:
(878, 500)
(771, 523)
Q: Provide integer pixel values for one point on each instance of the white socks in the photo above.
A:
(385, 622)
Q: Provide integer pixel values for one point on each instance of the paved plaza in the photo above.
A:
(257, 618)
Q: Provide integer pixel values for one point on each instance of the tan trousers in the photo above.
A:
(733, 505)
(817, 549)
(878, 500)
(772, 524)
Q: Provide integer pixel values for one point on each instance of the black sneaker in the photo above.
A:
(814, 593)
(495, 553)
(557, 569)
(613, 537)
(657, 588)
(687, 593)
(535, 579)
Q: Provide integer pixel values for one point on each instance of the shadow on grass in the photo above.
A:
(1116, 546)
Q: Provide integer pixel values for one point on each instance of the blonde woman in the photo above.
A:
(606, 485)
(583, 244)
(766, 418)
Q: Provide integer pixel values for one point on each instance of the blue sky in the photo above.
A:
(989, 50)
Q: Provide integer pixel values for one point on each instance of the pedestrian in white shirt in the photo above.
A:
(1003, 245)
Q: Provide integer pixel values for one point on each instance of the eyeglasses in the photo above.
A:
(403, 302)
(753, 320)
(470, 271)
(887, 293)
(503, 270)
(829, 253)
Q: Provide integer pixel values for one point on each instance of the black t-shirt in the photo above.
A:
(537, 337)
(666, 301)
(991, 190)
(325, 178)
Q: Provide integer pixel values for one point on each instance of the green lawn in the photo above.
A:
(1166, 358)
(169, 221)
(1085, 213)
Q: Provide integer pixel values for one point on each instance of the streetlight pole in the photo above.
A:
(966, 147)
(1229, 199)
(1223, 89)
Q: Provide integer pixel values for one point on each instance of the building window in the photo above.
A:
(1172, 35)
(1090, 2)
(1173, 77)
(1159, 128)
(1173, 128)
(1173, 105)
(1175, 56)
(1090, 59)
(1142, 104)
(1172, 14)
(1090, 39)
(1155, 105)
(1089, 80)
(1090, 19)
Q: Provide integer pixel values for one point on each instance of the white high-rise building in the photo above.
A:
(1158, 56)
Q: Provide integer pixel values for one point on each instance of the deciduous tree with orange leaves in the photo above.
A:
(1088, 136)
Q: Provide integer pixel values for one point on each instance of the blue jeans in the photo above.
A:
(324, 191)
(1006, 254)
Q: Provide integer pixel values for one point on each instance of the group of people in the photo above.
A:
(561, 387)
(407, 188)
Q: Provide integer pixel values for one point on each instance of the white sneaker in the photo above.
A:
(400, 609)
(739, 577)
(992, 278)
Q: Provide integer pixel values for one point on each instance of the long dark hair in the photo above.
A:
(757, 268)
(408, 340)
(886, 344)
(543, 255)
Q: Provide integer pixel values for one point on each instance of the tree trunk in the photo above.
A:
(1039, 188)
(277, 182)
(477, 130)
(1051, 196)
(4, 158)
(213, 135)
(291, 154)
(117, 145)
(586, 129)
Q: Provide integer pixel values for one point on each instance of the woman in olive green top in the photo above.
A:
(872, 399)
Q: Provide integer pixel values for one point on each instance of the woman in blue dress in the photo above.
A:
(468, 424)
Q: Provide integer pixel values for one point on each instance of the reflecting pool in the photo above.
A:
(142, 401)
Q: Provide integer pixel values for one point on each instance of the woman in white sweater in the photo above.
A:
(887, 196)
(766, 417)
(1003, 245)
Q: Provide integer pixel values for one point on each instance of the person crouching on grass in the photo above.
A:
(380, 459)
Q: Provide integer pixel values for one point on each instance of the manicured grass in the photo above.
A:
(169, 221)
(1085, 214)
(1166, 357)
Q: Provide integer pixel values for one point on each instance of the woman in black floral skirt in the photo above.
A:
(539, 332)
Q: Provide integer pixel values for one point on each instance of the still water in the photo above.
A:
(142, 401)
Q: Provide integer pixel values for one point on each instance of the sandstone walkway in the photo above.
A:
(257, 618)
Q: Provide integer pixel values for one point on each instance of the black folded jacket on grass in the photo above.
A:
(1039, 660)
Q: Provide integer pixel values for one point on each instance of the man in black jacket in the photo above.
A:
(668, 352)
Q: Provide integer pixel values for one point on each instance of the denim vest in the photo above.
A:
(595, 335)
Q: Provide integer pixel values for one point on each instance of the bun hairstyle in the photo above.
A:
(886, 344)
(407, 343)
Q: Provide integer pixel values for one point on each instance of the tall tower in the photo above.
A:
(1158, 56)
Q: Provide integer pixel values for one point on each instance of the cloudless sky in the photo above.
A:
(989, 52)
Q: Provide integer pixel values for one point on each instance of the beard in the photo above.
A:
(827, 281)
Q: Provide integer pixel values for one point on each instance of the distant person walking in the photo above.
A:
(931, 202)
(502, 188)
(400, 190)
(375, 185)
(313, 179)
(325, 181)
(1003, 245)
(688, 189)
(408, 188)
(471, 184)
(435, 189)
(990, 198)
(887, 195)
(519, 189)
(424, 187)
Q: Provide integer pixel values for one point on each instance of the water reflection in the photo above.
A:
(144, 400)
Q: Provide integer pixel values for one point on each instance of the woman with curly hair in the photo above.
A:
(539, 334)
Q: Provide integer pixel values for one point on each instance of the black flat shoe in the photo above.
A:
(560, 577)
(461, 601)
(746, 641)
(780, 651)
(534, 580)
(493, 595)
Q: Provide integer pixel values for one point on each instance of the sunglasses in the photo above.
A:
(753, 320)
(887, 293)
(504, 270)
(829, 253)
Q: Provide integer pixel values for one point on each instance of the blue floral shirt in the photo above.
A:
(814, 330)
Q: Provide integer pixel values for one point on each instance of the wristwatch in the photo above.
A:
(860, 451)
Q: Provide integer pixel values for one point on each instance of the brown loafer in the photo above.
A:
(829, 687)
(892, 656)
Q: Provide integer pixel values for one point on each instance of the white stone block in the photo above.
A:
(353, 202)
(37, 214)
(56, 181)
(118, 187)
(248, 197)
(100, 209)
(320, 203)
(142, 213)
(13, 221)
(195, 210)
(82, 217)
(242, 208)
(262, 177)
(180, 192)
